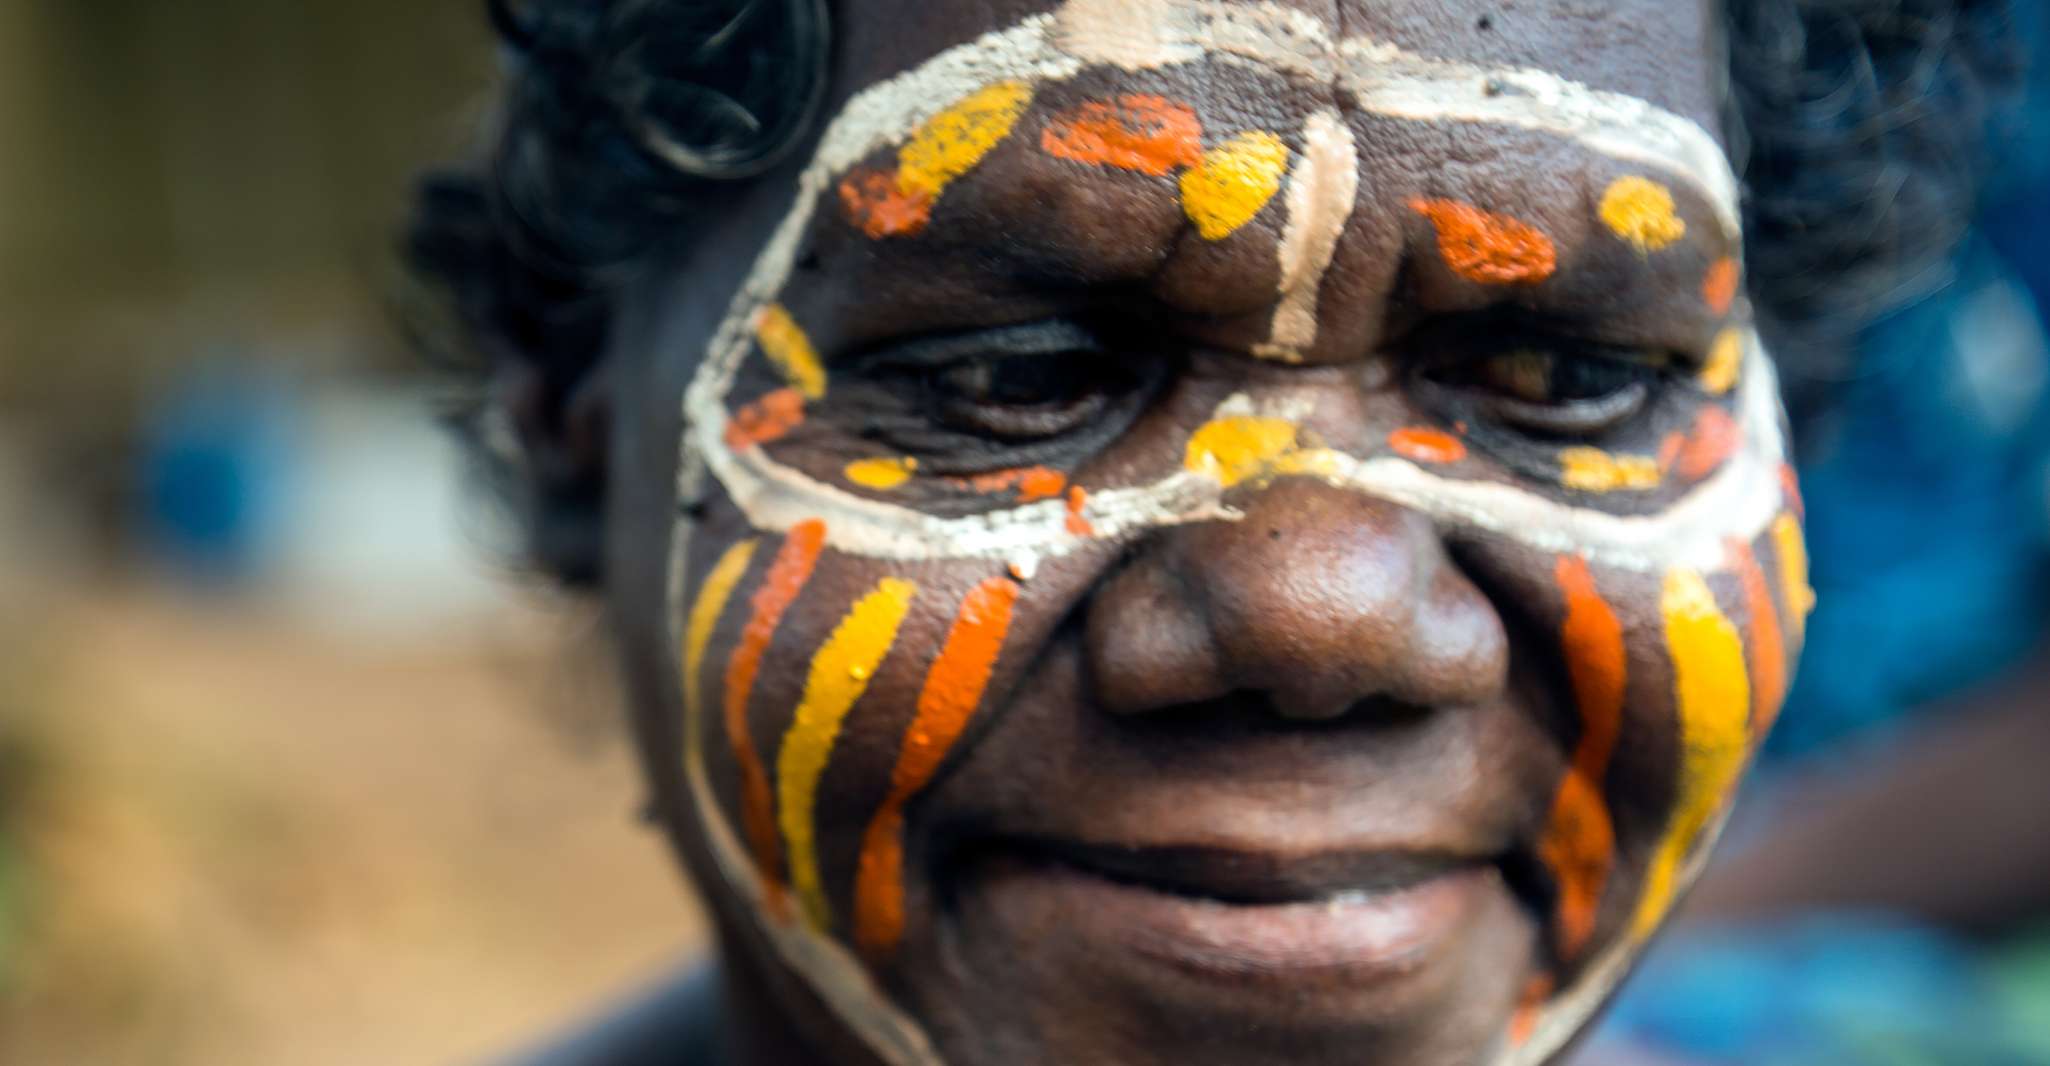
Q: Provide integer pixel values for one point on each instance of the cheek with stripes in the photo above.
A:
(1723, 650)
(824, 693)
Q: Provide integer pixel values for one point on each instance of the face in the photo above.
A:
(1193, 531)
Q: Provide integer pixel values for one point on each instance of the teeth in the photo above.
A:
(1351, 897)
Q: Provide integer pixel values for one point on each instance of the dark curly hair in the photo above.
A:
(1857, 125)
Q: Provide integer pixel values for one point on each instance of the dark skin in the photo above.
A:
(1331, 694)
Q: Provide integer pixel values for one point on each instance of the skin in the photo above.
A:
(1287, 608)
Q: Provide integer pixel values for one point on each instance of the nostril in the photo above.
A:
(1149, 644)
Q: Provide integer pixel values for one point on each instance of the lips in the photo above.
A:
(1339, 935)
(1245, 877)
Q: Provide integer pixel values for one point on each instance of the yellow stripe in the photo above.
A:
(1713, 694)
(704, 617)
(839, 675)
(784, 342)
(1793, 552)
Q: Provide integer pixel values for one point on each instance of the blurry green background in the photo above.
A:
(292, 768)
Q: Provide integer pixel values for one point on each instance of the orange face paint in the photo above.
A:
(1790, 485)
(1487, 248)
(953, 690)
(1768, 642)
(1422, 445)
(768, 419)
(1719, 288)
(880, 207)
(1078, 525)
(1710, 445)
(1147, 134)
(787, 575)
(1031, 483)
(1579, 842)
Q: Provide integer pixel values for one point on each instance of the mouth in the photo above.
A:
(1340, 922)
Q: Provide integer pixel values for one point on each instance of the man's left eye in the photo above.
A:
(1556, 392)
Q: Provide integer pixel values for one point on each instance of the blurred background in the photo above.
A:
(295, 768)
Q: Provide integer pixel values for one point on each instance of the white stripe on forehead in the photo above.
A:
(1741, 499)
(1321, 196)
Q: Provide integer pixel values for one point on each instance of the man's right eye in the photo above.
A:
(992, 398)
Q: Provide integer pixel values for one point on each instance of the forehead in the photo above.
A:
(1661, 51)
(1533, 108)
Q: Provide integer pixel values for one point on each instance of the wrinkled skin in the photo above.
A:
(1499, 734)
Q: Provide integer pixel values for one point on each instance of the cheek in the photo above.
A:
(823, 693)
(1677, 678)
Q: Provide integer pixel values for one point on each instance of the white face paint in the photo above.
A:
(1743, 498)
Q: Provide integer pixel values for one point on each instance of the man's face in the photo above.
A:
(1213, 532)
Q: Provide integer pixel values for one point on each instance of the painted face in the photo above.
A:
(1215, 532)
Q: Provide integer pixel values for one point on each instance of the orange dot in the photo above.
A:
(1487, 248)
(768, 419)
(1147, 134)
(1720, 287)
(1710, 445)
(879, 205)
(1424, 445)
(1078, 525)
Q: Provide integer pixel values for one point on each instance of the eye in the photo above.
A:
(1026, 397)
(1039, 393)
(1563, 390)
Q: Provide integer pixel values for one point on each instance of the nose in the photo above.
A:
(1317, 601)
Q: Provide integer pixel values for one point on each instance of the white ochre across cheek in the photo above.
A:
(1321, 189)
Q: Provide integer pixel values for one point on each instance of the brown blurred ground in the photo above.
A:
(246, 840)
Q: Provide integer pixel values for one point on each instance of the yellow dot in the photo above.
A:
(881, 474)
(1239, 448)
(952, 142)
(1232, 182)
(1594, 470)
(1725, 363)
(1641, 211)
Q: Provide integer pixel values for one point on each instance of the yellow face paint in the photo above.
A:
(952, 142)
(1725, 363)
(839, 675)
(1712, 690)
(1594, 470)
(784, 342)
(1239, 448)
(881, 474)
(1232, 182)
(1792, 548)
(704, 617)
(1641, 211)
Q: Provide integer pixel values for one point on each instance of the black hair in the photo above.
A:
(1857, 125)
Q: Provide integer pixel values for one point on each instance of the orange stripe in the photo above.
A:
(787, 576)
(1580, 840)
(953, 690)
(1768, 643)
